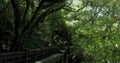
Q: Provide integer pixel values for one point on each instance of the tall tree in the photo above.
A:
(28, 13)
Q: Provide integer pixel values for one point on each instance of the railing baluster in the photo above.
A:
(0, 59)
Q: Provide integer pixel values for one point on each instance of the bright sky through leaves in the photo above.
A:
(76, 4)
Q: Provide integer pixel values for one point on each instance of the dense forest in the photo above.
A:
(90, 27)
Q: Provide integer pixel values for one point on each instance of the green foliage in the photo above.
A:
(96, 30)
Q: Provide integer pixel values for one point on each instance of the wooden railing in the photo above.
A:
(29, 56)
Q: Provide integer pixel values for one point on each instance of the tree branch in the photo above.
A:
(33, 17)
(16, 10)
(49, 11)
(73, 10)
(26, 11)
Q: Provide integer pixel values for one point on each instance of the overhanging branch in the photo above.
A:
(49, 11)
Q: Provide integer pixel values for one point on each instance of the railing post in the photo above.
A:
(27, 58)
(0, 58)
(66, 55)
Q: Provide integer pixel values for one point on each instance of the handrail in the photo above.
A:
(28, 56)
(52, 59)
